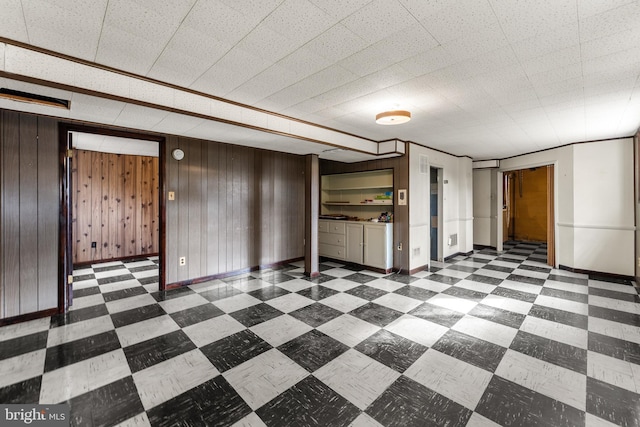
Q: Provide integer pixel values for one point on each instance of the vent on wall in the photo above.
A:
(453, 239)
(32, 98)
(424, 164)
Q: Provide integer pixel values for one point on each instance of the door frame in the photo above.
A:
(66, 198)
(553, 187)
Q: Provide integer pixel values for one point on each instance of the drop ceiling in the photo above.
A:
(482, 78)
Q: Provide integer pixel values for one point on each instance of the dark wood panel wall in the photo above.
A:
(235, 208)
(400, 166)
(29, 211)
(114, 206)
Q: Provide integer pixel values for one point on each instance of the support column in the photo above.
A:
(312, 211)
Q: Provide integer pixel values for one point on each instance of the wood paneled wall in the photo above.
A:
(235, 208)
(29, 213)
(115, 205)
(400, 166)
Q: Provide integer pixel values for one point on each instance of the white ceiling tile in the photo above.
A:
(559, 58)
(218, 21)
(93, 109)
(612, 21)
(101, 81)
(340, 9)
(547, 42)
(302, 63)
(178, 68)
(462, 18)
(126, 51)
(379, 19)
(299, 20)
(570, 91)
(388, 77)
(587, 8)
(150, 20)
(72, 28)
(373, 58)
(485, 40)
(555, 75)
(152, 93)
(512, 100)
(428, 61)
(265, 84)
(407, 43)
(521, 20)
(188, 101)
(326, 80)
(491, 61)
(268, 44)
(620, 64)
(230, 72)
(176, 124)
(256, 9)
(196, 43)
(133, 116)
(35, 64)
(12, 21)
(621, 41)
(337, 43)
(344, 93)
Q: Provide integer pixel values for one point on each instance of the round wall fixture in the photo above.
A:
(177, 154)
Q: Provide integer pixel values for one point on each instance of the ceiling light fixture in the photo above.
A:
(395, 117)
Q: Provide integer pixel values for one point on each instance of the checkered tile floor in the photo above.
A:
(490, 339)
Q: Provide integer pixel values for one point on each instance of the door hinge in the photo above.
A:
(70, 154)
(69, 279)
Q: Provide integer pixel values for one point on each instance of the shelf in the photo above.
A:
(357, 204)
(375, 187)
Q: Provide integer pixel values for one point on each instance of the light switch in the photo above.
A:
(172, 195)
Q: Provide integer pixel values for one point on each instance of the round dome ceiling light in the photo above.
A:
(396, 117)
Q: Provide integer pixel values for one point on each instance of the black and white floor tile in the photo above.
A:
(485, 340)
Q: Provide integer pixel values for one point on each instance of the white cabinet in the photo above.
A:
(378, 245)
(366, 243)
(355, 243)
(331, 239)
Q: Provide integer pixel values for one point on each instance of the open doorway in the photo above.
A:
(113, 210)
(435, 212)
(528, 208)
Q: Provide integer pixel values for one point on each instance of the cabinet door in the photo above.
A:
(354, 243)
(375, 246)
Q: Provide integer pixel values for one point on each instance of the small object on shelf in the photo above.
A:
(385, 217)
(337, 201)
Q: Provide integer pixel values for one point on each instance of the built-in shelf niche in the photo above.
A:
(357, 194)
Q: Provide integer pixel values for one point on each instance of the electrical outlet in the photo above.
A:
(399, 246)
(171, 195)
(183, 260)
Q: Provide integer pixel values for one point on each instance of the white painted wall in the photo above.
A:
(482, 207)
(603, 206)
(457, 203)
(595, 223)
